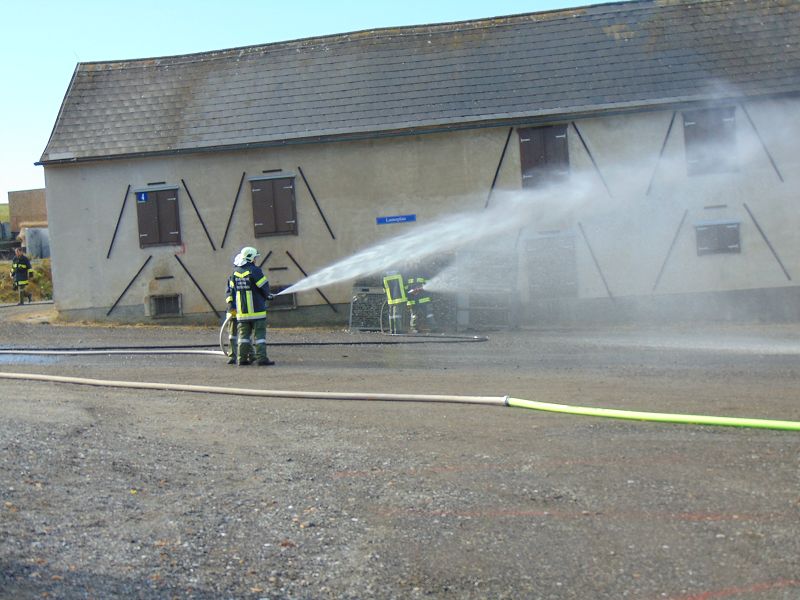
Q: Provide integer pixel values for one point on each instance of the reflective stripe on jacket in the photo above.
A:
(394, 288)
(247, 292)
(20, 268)
(420, 296)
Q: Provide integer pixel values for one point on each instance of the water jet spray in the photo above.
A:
(542, 208)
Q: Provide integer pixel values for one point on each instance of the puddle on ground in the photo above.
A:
(27, 359)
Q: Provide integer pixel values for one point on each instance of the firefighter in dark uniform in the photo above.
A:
(248, 295)
(20, 271)
(420, 305)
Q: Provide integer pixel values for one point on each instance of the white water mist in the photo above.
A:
(509, 211)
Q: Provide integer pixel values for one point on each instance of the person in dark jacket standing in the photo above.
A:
(248, 295)
(20, 271)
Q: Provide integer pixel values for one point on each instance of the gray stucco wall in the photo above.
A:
(604, 209)
(631, 241)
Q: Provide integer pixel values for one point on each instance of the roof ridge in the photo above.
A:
(388, 32)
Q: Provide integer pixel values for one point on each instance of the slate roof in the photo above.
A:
(501, 70)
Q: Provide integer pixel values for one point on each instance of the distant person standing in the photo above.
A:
(20, 271)
(248, 295)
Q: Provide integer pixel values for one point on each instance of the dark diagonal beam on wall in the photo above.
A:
(766, 239)
(314, 198)
(661, 154)
(591, 157)
(497, 170)
(669, 252)
(596, 263)
(197, 285)
(119, 219)
(319, 291)
(197, 212)
(763, 145)
(127, 287)
(233, 208)
(266, 258)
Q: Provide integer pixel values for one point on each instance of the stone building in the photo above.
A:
(628, 160)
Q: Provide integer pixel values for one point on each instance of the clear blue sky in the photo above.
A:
(41, 41)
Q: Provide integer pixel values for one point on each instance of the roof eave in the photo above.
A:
(455, 124)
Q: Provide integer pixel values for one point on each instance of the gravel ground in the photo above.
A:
(109, 492)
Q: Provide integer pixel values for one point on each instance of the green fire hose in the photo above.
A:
(634, 415)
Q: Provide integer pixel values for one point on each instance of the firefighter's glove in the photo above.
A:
(270, 297)
(232, 313)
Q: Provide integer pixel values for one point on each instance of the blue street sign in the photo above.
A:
(141, 196)
(395, 219)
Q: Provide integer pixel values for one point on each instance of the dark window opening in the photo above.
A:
(544, 155)
(274, 210)
(718, 238)
(157, 211)
(710, 140)
(284, 302)
(165, 306)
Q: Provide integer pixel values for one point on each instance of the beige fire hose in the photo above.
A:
(206, 389)
(486, 400)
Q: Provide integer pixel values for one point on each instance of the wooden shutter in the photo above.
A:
(169, 229)
(718, 238)
(285, 211)
(544, 154)
(274, 210)
(147, 212)
(710, 140)
(157, 211)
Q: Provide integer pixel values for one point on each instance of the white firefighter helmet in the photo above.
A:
(246, 255)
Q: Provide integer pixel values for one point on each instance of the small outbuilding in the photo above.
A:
(27, 211)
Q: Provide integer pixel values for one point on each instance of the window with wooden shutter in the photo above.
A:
(710, 140)
(544, 154)
(718, 237)
(158, 215)
(274, 209)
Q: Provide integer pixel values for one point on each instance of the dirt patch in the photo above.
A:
(153, 494)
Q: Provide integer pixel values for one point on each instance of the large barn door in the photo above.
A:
(552, 277)
(548, 258)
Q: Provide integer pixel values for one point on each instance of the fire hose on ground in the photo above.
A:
(484, 400)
